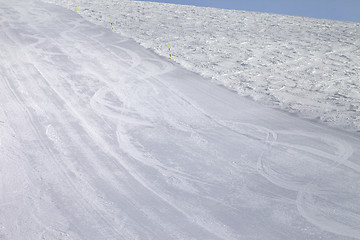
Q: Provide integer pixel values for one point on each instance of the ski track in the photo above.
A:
(104, 144)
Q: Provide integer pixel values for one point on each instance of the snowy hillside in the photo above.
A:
(102, 139)
(306, 66)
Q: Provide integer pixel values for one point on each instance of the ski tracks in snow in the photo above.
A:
(115, 150)
(312, 165)
(313, 169)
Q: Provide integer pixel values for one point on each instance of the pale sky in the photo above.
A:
(344, 10)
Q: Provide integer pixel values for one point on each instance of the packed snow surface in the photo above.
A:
(101, 138)
(306, 66)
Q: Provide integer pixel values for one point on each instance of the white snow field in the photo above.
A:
(310, 67)
(102, 139)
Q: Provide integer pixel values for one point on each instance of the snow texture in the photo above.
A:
(101, 138)
(309, 67)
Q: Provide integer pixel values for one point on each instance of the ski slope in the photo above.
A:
(305, 66)
(101, 138)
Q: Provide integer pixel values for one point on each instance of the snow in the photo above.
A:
(309, 67)
(101, 138)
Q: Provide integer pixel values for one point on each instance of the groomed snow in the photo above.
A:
(102, 139)
(306, 66)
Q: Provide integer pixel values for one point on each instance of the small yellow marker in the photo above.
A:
(112, 27)
(78, 9)
(169, 50)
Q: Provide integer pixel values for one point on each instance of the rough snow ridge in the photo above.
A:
(302, 65)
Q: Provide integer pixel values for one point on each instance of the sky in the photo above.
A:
(343, 10)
